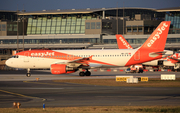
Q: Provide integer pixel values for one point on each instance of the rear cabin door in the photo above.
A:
(137, 56)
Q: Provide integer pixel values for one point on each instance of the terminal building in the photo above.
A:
(83, 28)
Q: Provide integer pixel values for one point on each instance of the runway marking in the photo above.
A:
(40, 83)
(34, 88)
(21, 95)
(49, 83)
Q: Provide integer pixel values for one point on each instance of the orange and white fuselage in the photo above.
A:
(44, 58)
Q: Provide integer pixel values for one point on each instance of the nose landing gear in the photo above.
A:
(28, 74)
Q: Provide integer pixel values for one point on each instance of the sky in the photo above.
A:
(38, 5)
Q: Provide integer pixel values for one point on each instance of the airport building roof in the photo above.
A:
(89, 10)
(76, 11)
(169, 9)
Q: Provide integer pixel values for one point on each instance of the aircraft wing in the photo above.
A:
(77, 62)
(81, 60)
(82, 63)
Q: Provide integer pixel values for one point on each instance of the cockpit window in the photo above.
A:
(15, 56)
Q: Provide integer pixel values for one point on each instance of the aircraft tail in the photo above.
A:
(153, 47)
(157, 40)
(122, 43)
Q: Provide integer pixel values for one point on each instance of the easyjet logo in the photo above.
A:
(124, 42)
(43, 54)
(157, 34)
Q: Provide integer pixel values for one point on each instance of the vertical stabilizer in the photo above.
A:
(153, 47)
(157, 40)
(122, 43)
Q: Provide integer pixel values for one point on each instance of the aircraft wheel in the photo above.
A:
(81, 73)
(28, 74)
(88, 73)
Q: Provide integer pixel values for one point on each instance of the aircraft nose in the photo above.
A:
(9, 62)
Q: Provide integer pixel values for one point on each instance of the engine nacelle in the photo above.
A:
(61, 69)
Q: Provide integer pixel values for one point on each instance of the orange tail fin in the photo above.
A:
(122, 43)
(157, 40)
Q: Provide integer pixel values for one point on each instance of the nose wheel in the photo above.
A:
(28, 74)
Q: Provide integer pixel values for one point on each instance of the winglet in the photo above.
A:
(122, 43)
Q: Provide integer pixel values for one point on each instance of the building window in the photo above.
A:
(134, 29)
(128, 29)
(145, 29)
(98, 25)
(106, 25)
(15, 27)
(92, 25)
(139, 29)
(88, 25)
(9, 27)
(3, 27)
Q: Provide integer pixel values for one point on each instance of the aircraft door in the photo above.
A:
(137, 56)
(26, 57)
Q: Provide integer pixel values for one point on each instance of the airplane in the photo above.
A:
(171, 60)
(69, 61)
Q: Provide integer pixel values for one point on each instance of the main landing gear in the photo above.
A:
(28, 74)
(87, 73)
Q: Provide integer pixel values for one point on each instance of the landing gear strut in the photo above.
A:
(28, 74)
(87, 73)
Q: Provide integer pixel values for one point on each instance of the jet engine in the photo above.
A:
(61, 69)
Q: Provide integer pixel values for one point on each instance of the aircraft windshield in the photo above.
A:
(15, 56)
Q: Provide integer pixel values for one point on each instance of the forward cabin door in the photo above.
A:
(26, 57)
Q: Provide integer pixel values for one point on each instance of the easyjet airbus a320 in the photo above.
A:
(69, 61)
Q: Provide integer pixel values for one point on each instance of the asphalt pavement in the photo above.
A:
(16, 87)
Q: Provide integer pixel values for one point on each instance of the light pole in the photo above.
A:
(17, 30)
(117, 18)
(123, 18)
(23, 26)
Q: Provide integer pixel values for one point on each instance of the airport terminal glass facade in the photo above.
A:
(75, 23)
(57, 24)
(174, 17)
